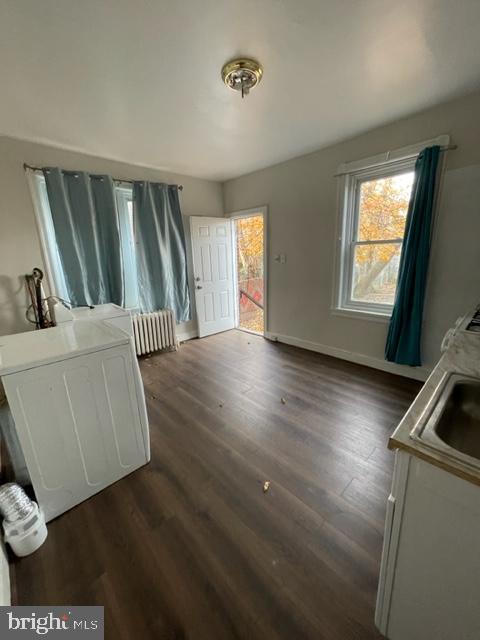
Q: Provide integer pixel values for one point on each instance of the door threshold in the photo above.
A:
(254, 333)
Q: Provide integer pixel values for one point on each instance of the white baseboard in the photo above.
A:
(5, 599)
(417, 373)
(187, 335)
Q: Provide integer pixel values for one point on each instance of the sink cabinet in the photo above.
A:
(430, 574)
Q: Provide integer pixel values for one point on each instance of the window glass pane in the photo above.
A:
(382, 207)
(130, 220)
(125, 213)
(375, 269)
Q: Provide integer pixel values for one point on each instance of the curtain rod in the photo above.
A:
(28, 166)
(448, 147)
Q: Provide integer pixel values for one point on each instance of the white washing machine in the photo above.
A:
(112, 314)
(77, 402)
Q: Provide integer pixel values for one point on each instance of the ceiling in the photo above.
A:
(139, 80)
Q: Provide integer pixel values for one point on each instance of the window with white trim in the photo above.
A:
(374, 199)
(375, 209)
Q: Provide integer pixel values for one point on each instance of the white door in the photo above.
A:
(212, 269)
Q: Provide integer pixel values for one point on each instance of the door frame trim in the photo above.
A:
(249, 213)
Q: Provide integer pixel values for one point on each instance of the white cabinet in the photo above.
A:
(390, 539)
(80, 420)
(430, 576)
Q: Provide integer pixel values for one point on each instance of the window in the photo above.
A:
(124, 198)
(374, 224)
(375, 194)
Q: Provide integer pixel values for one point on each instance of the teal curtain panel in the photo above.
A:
(161, 253)
(85, 220)
(405, 330)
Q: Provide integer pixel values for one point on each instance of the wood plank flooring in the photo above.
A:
(190, 546)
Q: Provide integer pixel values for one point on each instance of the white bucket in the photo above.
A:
(27, 534)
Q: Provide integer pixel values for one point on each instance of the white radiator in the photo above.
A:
(154, 331)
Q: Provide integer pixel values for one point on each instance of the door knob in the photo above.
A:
(199, 286)
(197, 279)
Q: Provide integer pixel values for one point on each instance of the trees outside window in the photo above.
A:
(382, 212)
(250, 277)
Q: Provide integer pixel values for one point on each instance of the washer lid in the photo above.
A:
(31, 349)
(100, 312)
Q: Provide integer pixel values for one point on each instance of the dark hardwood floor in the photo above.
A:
(191, 547)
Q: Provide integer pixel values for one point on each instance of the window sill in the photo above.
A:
(359, 314)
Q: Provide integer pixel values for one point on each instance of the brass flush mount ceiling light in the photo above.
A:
(242, 74)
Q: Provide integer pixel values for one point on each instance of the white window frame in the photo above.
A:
(351, 176)
(349, 241)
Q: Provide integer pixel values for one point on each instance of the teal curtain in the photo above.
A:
(161, 254)
(405, 330)
(85, 220)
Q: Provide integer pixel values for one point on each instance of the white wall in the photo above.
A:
(302, 198)
(19, 244)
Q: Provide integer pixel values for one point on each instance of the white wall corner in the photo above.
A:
(187, 335)
(416, 373)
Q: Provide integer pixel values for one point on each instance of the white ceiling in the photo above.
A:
(139, 80)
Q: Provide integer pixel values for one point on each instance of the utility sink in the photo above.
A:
(451, 422)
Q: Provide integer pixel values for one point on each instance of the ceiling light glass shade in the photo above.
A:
(242, 74)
